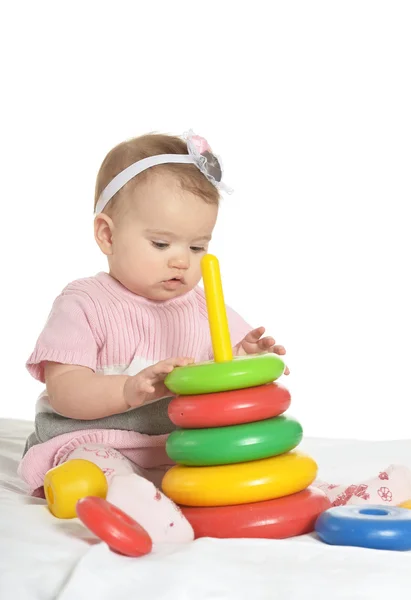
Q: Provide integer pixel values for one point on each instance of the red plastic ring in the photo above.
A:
(284, 517)
(229, 408)
(114, 527)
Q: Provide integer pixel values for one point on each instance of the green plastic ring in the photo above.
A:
(234, 444)
(241, 372)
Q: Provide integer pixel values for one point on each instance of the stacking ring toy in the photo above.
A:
(378, 527)
(241, 483)
(275, 519)
(67, 483)
(229, 408)
(235, 443)
(110, 524)
(241, 372)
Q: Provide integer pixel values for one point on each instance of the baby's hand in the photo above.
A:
(253, 343)
(148, 385)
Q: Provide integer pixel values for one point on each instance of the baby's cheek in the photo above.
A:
(142, 260)
(195, 270)
(193, 279)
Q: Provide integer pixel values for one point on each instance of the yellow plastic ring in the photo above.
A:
(406, 504)
(242, 483)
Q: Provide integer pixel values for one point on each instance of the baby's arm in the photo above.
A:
(65, 359)
(79, 393)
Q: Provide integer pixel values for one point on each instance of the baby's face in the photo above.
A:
(158, 243)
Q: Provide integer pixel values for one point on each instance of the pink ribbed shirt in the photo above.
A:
(98, 323)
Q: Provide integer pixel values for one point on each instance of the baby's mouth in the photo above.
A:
(174, 282)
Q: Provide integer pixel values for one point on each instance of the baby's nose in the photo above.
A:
(179, 262)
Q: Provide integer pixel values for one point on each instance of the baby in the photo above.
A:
(111, 339)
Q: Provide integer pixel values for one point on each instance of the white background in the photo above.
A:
(308, 103)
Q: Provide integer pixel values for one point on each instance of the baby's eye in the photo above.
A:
(160, 245)
(197, 248)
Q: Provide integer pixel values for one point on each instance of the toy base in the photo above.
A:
(273, 519)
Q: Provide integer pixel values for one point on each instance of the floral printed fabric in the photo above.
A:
(391, 486)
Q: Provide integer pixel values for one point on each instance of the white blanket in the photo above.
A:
(45, 558)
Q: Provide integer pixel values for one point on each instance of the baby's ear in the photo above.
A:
(103, 233)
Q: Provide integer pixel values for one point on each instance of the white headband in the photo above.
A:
(199, 154)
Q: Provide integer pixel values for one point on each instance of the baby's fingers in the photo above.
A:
(147, 387)
(161, 368)
(266, 343)
(254, 335)
(166, 366)
(181, 361)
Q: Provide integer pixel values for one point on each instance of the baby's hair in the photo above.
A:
(126, 153)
